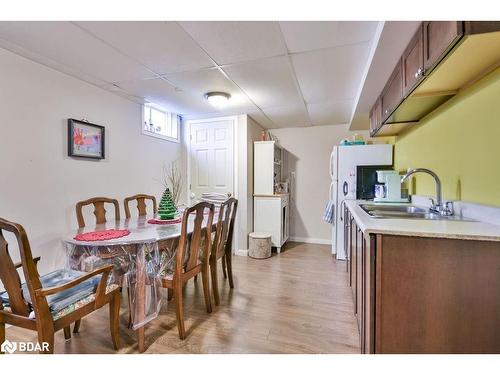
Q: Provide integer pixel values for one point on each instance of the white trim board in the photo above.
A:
(320, 241)
(241, 253)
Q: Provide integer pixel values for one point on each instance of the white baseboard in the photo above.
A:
(320, 241)
(242, 253)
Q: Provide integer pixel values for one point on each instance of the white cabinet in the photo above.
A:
(268, 167)
(272, 215)
(270, 210)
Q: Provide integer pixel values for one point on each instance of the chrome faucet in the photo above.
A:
(437, 204)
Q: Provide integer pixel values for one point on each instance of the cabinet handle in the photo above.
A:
(419, 72)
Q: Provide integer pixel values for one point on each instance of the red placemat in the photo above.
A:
(102, 235)
(159, 221)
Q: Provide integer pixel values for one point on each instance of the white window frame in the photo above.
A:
(168, 119)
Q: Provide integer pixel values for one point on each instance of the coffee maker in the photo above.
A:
(388, 188)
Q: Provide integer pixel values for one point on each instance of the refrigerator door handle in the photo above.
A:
(331, 165)
(345, 188)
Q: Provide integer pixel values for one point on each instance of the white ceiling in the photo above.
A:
(283, 74)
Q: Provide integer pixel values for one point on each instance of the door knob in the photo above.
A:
(192, 196)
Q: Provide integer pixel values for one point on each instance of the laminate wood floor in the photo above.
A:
(296, 302)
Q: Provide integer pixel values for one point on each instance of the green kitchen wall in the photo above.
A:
(460, 141)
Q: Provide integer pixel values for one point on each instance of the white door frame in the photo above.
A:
(234, 121)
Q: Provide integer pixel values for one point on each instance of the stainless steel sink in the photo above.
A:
(405, 212)
(393, 208)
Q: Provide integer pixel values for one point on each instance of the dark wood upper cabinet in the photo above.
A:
(393, 92)
(413, 62)
(375, 117)
(426, 74)
(439, 37)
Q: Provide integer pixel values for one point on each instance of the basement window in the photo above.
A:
(160, 124)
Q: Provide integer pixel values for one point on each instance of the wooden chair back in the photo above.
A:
(198, 236)
(141, 204)
(225, 227)
(8, 269)
(99, 210)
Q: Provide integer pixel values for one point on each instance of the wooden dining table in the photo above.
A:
(140, 258)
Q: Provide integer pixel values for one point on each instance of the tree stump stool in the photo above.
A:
(259, 245)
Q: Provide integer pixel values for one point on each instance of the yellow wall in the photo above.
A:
(460, 142)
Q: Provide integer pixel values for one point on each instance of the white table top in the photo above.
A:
(140, 231)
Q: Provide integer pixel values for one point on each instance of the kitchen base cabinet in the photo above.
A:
(425, 295)
(437, 295)
(271, 215)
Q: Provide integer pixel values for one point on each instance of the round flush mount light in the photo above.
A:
(217, 98)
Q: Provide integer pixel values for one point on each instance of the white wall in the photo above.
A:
(308, 154)
(247, 131)
(40, 184)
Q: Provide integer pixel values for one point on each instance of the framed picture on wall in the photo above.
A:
(85, 140)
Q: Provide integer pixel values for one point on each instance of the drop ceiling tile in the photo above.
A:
(332, 113)
(331, 74)
(198, 83)
(231, 42)
(310, 35)
(162, 93)
(162, 46)
(268, 82)
(68, 45)
(287, 117)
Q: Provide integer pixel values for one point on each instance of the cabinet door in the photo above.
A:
(359, 284)
(346, 217)
(352, 241)
(413, 62)
(393, 92)
(439, 36)
(375, 117)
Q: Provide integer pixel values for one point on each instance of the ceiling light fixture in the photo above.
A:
(217, 98)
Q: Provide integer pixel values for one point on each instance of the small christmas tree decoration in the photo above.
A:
(166, 208)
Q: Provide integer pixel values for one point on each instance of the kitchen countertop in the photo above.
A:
(465, 230)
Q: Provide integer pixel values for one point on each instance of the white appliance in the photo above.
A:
(343, 163)
(389, 188)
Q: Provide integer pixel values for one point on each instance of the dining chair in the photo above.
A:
(141, 204)
(99, 209)
(189, 262)
(51, 302)
(222, 245)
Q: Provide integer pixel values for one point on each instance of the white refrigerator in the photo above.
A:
(344, 161)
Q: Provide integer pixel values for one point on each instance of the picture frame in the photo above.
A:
(85, 140)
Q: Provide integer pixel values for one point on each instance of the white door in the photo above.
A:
(211, 158)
